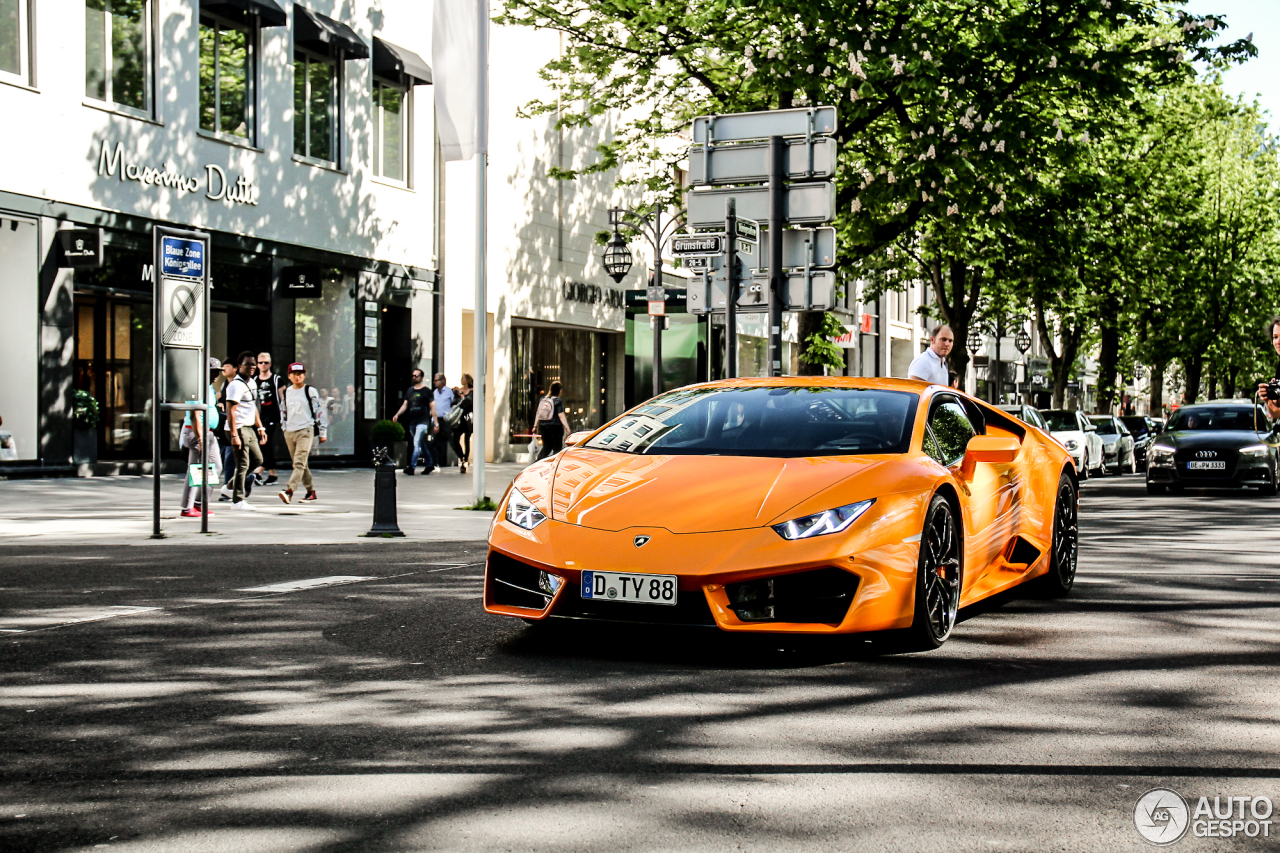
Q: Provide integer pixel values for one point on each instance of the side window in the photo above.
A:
(15, 41)
(951, 430)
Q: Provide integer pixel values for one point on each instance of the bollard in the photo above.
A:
(384, 495)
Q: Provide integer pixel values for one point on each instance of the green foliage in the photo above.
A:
(86, 413)
(485, 504)
(820, 348)
(385, 432)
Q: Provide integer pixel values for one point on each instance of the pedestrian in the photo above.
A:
(466, 426)
(445, 399)
(1270, 400)
(419, 410)
(305, 420)
(268, 386)
(229, 370)
(550, 422)
(192, 440)
(931, 365)
(245, 428)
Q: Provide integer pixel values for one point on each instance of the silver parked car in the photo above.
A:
(1118, 455)
(1079, 437)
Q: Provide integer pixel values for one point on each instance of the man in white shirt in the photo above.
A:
(244, 425)
(304, 420)
(931, 365)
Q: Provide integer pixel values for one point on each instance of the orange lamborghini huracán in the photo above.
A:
(821, 505)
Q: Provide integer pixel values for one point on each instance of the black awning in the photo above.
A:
(390, 61)
(319, 32)
(268, 11)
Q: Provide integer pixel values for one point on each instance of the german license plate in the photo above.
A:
(1207, 466)
(638, 589)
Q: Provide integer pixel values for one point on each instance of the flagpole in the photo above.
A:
(481, 349)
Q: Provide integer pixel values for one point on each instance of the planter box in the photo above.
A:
(85, 449)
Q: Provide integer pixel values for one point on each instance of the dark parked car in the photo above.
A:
(1144, 431)
(1215, 445)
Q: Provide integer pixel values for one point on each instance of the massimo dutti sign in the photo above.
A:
(215, 183)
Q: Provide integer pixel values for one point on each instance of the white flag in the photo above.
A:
(456, 63)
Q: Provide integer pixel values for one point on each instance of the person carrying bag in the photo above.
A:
(550, 422)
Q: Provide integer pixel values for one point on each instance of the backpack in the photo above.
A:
(307, 390)
(546, 410)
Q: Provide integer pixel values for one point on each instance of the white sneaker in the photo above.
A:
(244, 505)
(226, 492)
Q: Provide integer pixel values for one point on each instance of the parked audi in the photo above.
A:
(1144, 431)
(1215, 445)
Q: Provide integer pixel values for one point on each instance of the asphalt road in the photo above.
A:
(191, 710)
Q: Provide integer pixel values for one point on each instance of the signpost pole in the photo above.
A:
(204, 414)
(777, 279)
(731, 288)
(157, 373)
(657, 322)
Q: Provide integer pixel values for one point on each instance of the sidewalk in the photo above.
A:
(117, 510)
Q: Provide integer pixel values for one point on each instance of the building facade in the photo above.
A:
(299, 136)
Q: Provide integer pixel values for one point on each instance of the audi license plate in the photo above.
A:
(1207, 466)
(619, 586)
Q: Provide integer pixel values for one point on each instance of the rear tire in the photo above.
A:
(938, 580)
(1084, 467)
(1064, 550)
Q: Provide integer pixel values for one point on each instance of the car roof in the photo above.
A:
(880, 383)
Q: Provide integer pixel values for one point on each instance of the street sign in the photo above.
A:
(749, 230)
(748, 162)
(699, 244)
(182, 313)
(813, 247)
(699, 263)
(803, 121)
(655, 293)
(816, 293)
(657, 308)
(81, 247)
(804, 204)
(181, 258)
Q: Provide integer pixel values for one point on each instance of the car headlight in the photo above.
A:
(822, 523)
(1159, 454)
(1072, 444)
(1255, 451)
(521, 512)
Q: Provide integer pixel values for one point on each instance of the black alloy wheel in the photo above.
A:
(1064, 551)
(937, 598)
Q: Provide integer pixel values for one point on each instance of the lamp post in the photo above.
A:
(1023, 343)
(617, 263)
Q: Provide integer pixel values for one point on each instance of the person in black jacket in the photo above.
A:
(552, 425)
(1273, 405)
(466, 427)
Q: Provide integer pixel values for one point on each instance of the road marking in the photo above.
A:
(32, 620)
(310, 583)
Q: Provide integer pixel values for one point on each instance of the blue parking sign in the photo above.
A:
(181, 258)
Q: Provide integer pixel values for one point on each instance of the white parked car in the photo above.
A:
(1079, 437)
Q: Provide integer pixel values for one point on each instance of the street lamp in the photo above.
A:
(617, 262)
(617, 257)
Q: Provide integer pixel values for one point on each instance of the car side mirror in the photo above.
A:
(995, 449)
(1091, 428)
(575, 438)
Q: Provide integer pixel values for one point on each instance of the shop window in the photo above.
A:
(118, 53)
(390, 131)
(574, 357)
(325, 341)
(315, 107)
(15, 41)
(228, 72)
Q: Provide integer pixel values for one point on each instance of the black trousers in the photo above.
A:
(443, 440)
(552, 439)
(268, 446)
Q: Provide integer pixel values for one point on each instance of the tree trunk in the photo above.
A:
(957, 294)
(809, 323)
(1192, 366)
(1211, 385)
(1108, 365)
(1157, 390)
(1059, 362)
(1229, 382)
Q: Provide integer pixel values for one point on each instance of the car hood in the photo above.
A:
(1108, 440)
(689, 494)
(1193, 439)
(1065, 435)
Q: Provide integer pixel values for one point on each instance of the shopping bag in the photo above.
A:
(195, 474)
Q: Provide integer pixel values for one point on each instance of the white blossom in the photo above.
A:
(953, 209)
(867, 46)
(1053, 61)
(892, 179)
(982, 147)
(772, 53)
(1022, 134)
(953, 139)
(988, 127)
(832, 43)
(857, 205)
(998, 208)
(927, 56)
(930, 130)
(1097, 65)
(1055, 122)
(932, 153)
(1000, 147)
(924, 196)
(808, 69)
(961, 81)
(853, 94)
(826, 72)
(1058, 135)
(749, 52)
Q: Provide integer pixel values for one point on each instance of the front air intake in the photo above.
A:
(821, 595)
(515, 584)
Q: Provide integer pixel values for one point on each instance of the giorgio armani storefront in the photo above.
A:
(295, 134)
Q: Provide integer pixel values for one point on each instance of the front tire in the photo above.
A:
(1064, 550)
(1084, 467)
(938, 574)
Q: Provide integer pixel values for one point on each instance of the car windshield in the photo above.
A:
(777, 421)
(1137, 426)
(1060, 421)
(1219, 418)
(1105, 426)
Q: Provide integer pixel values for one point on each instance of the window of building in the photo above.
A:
(117, 53)
(15, 41)
(228, 71)
(390, 131)
(315, 106)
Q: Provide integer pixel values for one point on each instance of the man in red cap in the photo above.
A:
(304, 420)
